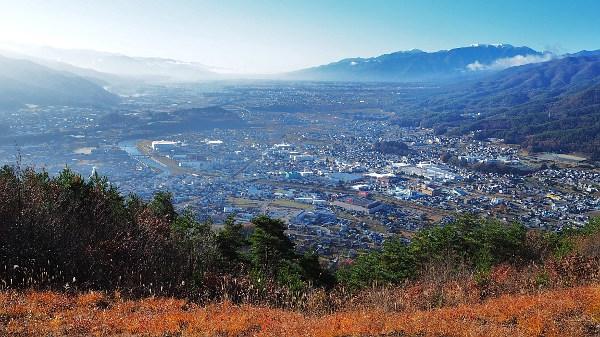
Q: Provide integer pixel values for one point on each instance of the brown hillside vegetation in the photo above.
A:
(565, 312)
(79, 259)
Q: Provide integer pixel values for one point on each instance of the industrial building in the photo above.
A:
(358, 204)
(164, 145)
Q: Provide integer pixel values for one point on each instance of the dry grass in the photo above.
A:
(563, 312)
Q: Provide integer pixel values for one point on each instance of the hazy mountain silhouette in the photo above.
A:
(417, 65)
(24, 82)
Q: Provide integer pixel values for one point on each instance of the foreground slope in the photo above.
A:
(122, 266)
(567, 312)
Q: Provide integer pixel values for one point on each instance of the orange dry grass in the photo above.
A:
(567, 312)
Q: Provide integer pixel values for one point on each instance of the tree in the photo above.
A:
(272, 256)
(231, 242)
(394, 264)
(470, 241)
(269, 245)
(162, 205)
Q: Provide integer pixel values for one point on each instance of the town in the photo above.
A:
(330, 160)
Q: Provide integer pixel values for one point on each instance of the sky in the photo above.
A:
(269, 36)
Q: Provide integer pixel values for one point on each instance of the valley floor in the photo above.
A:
(561, 312)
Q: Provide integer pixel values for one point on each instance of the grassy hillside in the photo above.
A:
(78, 258)
(564, 312)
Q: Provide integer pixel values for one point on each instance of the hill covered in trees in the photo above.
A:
(548, 106)
(392, 147)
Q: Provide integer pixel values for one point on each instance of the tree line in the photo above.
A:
(70, 233)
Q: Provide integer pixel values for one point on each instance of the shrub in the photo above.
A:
(468, 240)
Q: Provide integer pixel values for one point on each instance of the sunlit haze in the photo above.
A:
(275, 36)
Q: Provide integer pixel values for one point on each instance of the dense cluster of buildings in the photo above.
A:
(318, 171)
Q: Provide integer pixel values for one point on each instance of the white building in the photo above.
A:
(163, 145)
(282, 146)
(436, 173)
(302, 157)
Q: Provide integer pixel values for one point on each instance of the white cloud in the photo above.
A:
(508, 62)
(475, 66)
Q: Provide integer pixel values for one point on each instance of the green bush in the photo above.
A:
(478, 243)
(273, 256)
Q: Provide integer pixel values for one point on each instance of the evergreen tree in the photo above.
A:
(269, 245)
(231, 243)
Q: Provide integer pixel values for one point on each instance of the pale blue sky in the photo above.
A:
(278, 35)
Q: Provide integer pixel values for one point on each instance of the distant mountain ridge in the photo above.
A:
(24, 82)
(403, 66)
(417, 65)
(149, 69)
(531, 82)
(585, 53)
(548, 106)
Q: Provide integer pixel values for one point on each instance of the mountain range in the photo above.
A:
(548, 106)
(417, 65)
(24, 82)
(402, 66)
(116, 66)
(540, 100)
